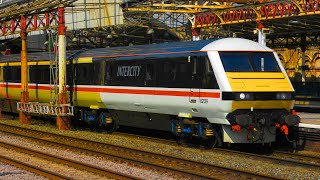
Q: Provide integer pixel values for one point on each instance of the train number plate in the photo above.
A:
(204, 101)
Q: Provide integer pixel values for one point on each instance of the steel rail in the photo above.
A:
(68, 162)
(274, 159)
(306, 157)
(310, 136)
(155, 160)
(31, 168)
(295, 158)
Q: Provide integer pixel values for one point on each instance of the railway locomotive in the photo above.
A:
(229, 90)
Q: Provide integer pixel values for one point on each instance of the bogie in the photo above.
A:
(198, 128)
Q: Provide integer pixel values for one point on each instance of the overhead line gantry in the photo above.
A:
(293, 23)
(34, 16)
(294, 17)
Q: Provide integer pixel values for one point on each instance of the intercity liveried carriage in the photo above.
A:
(220, 90)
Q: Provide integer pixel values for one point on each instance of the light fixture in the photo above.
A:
(150, 31)
(294, 22)
(109, 36)
(74, 39)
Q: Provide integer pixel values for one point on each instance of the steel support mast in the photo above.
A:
(63, 122)
(23, 117)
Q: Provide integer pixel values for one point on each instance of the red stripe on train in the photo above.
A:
(130, 91)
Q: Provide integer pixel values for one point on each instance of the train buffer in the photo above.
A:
(46, 109)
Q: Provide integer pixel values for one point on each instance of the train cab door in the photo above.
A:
(194, 93)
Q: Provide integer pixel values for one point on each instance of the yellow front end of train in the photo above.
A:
(260, 82)
(261, 96)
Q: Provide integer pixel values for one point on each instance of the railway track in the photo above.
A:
(59, 160)
(305, 159)
(280, 157)
(276, 156)
(153, 160)
(32, 168)
(309, 135)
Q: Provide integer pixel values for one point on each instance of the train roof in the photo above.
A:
(172, 49)
(37, 56)
(235, 44)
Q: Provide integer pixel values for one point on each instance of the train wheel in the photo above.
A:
(213, 140)
(105, 122)
(112, 127)
(180, 140)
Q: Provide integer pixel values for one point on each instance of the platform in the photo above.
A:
(309, 120)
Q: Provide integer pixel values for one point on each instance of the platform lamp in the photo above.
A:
(109, 36)
(74, 39)
(150, 32)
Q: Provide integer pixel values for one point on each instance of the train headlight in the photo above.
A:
(244, 96)
(284, 96)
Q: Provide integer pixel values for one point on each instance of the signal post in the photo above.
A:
(23, 116)
(63, 122)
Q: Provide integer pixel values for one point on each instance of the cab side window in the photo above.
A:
(209, 80)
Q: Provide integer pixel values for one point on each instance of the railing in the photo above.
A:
(46, 109)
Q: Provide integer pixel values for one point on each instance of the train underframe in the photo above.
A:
(184, 129)
(259, 126)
